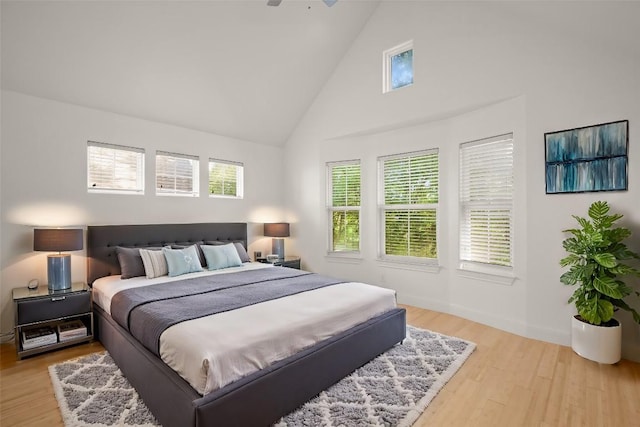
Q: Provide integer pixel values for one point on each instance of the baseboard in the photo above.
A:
(422, 302)
(521, 328)
(503, 323)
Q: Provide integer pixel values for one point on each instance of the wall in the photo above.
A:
(44, 182)
(480, 69)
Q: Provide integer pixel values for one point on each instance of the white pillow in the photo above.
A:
(155, 264)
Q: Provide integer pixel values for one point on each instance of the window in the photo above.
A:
(226, 179)
(408, 206)
(397, 69)
(486, 203)
(114, 169)
(177, 174)
(343, 200)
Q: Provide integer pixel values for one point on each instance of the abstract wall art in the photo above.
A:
(590, 158)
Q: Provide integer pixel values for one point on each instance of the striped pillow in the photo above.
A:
(155, 264)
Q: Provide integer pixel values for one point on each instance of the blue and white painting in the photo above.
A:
(592, 158)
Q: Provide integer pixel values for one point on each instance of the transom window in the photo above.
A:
(343, 202)
(486, 203)
(177, 174)
(408, 207)
(226, 179)
(114, 168)
(397, 67)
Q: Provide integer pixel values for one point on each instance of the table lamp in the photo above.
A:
(277, 229)
(58, 240)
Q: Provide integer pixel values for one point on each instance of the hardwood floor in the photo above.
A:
(507, 381)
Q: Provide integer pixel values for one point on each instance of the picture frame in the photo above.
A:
(587, 159)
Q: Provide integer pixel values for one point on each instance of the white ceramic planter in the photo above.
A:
(602, 344)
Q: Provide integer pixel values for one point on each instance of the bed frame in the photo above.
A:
(259, 399)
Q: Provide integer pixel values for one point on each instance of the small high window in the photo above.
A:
(397, 67)
(226, 179)
(114, 168)
(177, 174)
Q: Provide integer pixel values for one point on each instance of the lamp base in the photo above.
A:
(59, 272)
(277, 247)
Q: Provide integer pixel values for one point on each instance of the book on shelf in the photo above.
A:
(71, 330)
(37, 337)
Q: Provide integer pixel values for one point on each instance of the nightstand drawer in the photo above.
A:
(53, 307)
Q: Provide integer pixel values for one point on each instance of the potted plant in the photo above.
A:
(596, 255)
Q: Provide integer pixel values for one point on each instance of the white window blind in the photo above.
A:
(408, 205)
(114, 168)
(226, 179)
(177, 174)
(343, 200)
(486, 201)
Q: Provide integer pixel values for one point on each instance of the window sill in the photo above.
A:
(493, 275)
(220, 196)
(123, 192)
(167, 194)
(344, 258)
(407, 265)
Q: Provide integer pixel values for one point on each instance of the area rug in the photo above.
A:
(391, 390)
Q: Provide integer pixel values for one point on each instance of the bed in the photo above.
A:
(258, 398)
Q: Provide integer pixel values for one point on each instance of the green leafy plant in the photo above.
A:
(595, 254)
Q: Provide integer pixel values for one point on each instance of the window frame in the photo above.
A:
(331, 209)
(239, 179)
(140, 169)
(383, 208)
(387, 55)
(195, 175)
(491, 205)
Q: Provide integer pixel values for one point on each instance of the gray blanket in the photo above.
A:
(147, 311)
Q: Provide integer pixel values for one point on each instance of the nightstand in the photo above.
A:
(44, 308)
(288, 261)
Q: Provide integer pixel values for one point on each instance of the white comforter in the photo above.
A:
(216, 350)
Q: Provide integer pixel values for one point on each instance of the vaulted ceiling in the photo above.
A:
(235, 68)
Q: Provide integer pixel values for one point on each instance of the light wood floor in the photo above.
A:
(507, 381)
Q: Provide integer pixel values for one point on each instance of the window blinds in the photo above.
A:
(409, 204)
(486, 201)
(177, 174)
(114, 168)
(344, 206)
(225, 178)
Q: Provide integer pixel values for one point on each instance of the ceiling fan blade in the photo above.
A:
(329, 2)
(274, 2)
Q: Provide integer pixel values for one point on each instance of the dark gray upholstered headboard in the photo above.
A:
(102, 240)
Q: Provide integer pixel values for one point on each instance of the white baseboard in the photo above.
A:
(422, 302)
(498, 322)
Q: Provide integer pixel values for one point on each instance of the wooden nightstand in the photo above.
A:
(288, 261)
(43, 308)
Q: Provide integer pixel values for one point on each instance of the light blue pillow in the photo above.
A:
(182, 261)
(221, 256)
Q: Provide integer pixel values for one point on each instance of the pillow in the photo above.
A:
(182, 261)
(130, 262)
(155, 263)
(242, 252)
(221, 256)
(203, 261)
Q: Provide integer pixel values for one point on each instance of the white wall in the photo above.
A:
(479, 71)
(44, 182)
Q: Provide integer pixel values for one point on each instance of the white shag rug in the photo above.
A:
(391, 390)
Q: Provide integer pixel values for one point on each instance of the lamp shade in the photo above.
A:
(276, 229)
(57, 239)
